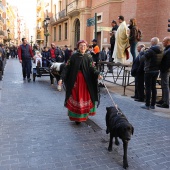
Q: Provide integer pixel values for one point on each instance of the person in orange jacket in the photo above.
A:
(95, 52)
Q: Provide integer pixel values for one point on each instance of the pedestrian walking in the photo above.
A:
(25, 54)
(80, 78)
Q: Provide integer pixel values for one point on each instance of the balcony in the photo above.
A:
(2, 33)
(61, 14)
(72, 8)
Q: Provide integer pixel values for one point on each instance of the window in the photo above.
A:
(59, 32)
(60, 5)
(54, 33)
(65, 26)
(99, 17)
(55, 10)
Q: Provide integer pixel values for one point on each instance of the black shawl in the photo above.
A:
(84, 63)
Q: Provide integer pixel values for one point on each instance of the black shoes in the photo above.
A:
(29, 79)
(77, 123)
(133, 97)
(160, 102)
(164, 105)
(139, 100)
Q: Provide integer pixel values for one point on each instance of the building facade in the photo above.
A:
(2, 21)
(68, 19)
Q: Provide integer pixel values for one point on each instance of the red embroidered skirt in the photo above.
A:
(79, 104)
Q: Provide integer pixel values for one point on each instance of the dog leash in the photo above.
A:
(115, 105)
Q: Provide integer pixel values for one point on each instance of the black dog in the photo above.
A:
(118, 126)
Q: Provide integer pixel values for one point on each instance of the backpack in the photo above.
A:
(139, 35)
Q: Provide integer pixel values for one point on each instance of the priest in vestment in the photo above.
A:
(121, 53)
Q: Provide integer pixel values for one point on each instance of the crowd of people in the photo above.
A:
(80, 74)
(151, 62)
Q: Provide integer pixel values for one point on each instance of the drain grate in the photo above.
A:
(93, 125)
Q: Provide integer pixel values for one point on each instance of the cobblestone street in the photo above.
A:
(36, 133)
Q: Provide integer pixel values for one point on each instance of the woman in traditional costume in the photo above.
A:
(80, 79)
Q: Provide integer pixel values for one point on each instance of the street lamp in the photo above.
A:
(31, 41)
(46, 22)
(8, 31)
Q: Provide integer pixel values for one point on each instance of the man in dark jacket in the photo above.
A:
(59, 55)
(138, 72)
(25, 54)
(165, 74)
(66, 53)
(45, 57)
(151, 69)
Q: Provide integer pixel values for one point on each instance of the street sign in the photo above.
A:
(104, 28)
(90, 22)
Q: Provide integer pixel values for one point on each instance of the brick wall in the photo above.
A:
(162, 19)
(152, 15)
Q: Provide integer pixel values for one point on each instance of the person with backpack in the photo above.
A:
(133, 37)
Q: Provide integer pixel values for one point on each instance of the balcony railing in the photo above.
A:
(61, 14)
(38, 27)
(1, 19)
(39, 37)
(2, 32)
(72, 6)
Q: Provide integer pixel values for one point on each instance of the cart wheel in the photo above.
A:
(34, 75)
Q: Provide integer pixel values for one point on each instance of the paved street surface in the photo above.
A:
(36, 134)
